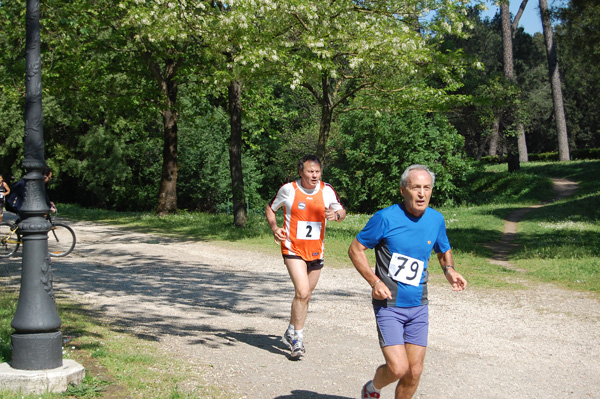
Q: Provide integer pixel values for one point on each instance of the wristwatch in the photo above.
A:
(337, 216)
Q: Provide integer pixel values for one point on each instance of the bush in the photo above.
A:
(544, 157)
(372, 151)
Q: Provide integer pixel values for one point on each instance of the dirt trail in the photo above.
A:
(563, 188)
(223, 309)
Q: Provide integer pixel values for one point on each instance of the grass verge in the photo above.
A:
(118, 365)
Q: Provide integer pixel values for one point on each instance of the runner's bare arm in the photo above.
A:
(331, 214)
(456, 280)
(278, 232)
(357, 255)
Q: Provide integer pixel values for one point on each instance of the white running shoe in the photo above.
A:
(288, 340)
(298, 350)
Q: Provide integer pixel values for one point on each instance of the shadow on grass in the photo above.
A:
(472, 240)
(580, 171)
(579, 207)
(565, 243)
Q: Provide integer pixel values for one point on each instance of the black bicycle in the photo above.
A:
(61, 238)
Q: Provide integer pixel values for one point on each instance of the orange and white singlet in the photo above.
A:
(304, 218)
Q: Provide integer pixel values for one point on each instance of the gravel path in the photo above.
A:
(224, 309)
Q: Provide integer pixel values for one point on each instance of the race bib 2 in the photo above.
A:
(308, 230)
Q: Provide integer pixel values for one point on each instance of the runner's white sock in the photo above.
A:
(371, 388)
(291, 330)
(299, 335)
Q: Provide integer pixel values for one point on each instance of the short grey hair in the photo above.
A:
(416, 167)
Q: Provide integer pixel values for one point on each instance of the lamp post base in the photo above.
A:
(41, 381)
(41, 351)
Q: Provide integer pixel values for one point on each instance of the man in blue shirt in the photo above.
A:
(403, 236)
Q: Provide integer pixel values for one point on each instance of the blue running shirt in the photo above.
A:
(403, 245)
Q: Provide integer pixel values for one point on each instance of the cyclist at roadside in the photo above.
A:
(14, 201)
(4, 191)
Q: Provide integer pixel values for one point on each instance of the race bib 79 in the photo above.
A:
(308, 230)
(405, 269)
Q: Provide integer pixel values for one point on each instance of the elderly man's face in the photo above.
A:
(310, 175)
(417, 192)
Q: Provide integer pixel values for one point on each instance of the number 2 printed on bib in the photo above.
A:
(405, 269)
(308, 230)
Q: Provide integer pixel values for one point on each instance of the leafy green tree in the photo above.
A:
(476, 120)
(98, 122)
(12, 87)
(383, 51)
(555, 83)
(374, 149)
(158, 36)
(578, 37)
(100, 108)
(239, 34)
(528, 95)
(581, 19)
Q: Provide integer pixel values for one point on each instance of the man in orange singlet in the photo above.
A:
(308, 204)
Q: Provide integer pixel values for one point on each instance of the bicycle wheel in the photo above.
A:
(10, 240)
(61, 240)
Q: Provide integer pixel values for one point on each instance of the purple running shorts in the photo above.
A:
(397, 326)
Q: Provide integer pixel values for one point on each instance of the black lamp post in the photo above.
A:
(37, 341)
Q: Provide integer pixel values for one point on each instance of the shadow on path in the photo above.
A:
(563, 188)
(301, 394)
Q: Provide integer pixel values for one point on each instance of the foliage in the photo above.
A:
(102, 106)
(581, 20)
(394, 63)
(529, 99)
(12, 87)
(578, 38)
(374, 150)
(203, 159)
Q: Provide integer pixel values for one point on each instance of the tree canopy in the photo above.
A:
(136, 102)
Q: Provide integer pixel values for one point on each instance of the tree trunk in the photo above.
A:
(240, 215)
(512, 141)
(515, 22)
(326, 117)
(167, 194)
(483, 143)
(522, 144)
(494, 137)
(557, 97)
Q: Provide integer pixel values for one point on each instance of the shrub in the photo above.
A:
(372, 151)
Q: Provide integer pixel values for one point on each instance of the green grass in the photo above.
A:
(118, 364)
(560, 242)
